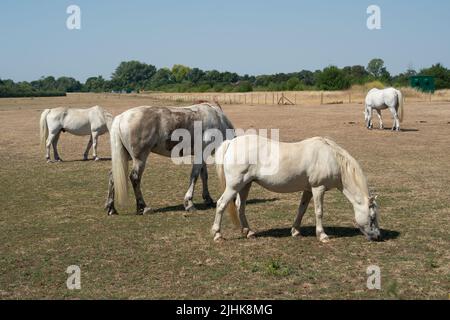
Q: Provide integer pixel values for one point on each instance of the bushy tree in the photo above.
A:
(292, 83)
(180, 72)
(132, 75)
(332, 78)
(95, 84)
(440, 73)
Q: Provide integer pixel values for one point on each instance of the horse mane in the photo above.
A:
(351, 172)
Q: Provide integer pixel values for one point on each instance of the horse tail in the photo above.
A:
(119, 159)
(43, 128)
(401, 112)
(231, 207)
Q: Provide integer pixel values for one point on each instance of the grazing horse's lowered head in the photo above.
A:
(366, 218)
(313, 166)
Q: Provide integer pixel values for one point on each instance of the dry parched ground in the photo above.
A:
(51, 215)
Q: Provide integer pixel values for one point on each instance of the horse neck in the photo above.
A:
(354, 183)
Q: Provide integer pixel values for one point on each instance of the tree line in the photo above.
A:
(137, 76)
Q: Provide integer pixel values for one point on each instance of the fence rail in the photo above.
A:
(292, 97)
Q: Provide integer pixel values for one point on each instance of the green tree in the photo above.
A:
(162, 77)
(67, 84)
(292, 83)
(332, 78)
(95, 84)
(132, 75)
(440, 73)
(180, 72)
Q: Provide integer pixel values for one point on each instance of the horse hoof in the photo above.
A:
(147, 210)
(251, 234)
(112, 213)
(324, 238)
(191, 209)
(96, 159)
(218, 237)
(209, 202)
(295, 232)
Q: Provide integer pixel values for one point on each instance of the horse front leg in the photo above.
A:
(205, 194)
(88, 148)
(188, 204)
(109, 206)
(94, 145)
(304, 202)
(318, 194)
(135, 177)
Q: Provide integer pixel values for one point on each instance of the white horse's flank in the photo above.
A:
(91, 122)
(314, 166)
(378, 100)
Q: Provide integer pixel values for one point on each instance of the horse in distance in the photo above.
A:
(91, 122)
(378, 100)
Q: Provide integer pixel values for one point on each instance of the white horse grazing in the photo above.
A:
(313, 166)
(91, 122)
(383, 99)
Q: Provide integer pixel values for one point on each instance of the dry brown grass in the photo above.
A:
(52, 215)
(304, 98)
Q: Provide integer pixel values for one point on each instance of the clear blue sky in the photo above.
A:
(245, 36)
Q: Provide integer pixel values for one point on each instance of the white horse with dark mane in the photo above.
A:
(378, 100)
(313, 166)
(142, 130)
(91, 122)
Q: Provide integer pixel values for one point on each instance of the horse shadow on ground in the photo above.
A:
(334, 232)
(203, 207)
(88, 160)
(403, 130)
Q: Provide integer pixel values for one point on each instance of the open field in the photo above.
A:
(51, 215)
(303, 98)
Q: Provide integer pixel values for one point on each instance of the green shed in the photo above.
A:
(423, 83)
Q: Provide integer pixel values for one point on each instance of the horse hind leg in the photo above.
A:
(205, 194)
(318, 194)
(109, 206)
(188, 204)
(52, 141)
(381, 119)
(240, 204)
(94, 145)
(227, 196)
(303, 206)
(135, 177)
